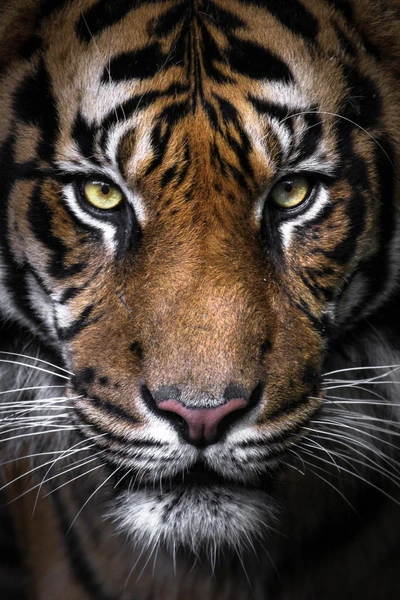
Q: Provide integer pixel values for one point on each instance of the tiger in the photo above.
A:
(199, 292)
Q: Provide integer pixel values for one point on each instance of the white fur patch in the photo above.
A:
(201, 519)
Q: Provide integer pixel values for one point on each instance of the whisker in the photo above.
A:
(368, 422)
(38, 400)
(91, 496)
(332, 400)
(378, 468)
(363, 479)
(338, 423)
(339, 438)
(323, 434)
(26, 473)
(45, 362)
(15, 415)
(37, 454)
(350, 459)
(35, 387)
(347, 370)
(293, 467)
(353, 415)
(329, 483)
(74, 479)
(356, 387)
(34, 367)
(321, 447)
(57, 488)
(147, 562)
(366, 382)
(61, 457)
(35, 433)
(323, 112)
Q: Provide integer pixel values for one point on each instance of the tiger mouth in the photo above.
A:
(199, 475)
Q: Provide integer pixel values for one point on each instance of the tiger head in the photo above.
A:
(198, 198)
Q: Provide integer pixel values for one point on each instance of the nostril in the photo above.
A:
(203, 422)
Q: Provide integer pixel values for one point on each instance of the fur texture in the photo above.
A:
(126, 331)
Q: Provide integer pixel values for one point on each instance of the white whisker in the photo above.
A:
(392, 368)
(27, 389)
(45, 362)
(21, 364)
(91, 495)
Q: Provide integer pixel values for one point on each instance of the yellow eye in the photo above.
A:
(290, 191)
(102, 195)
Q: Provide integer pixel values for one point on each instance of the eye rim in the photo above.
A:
(291, 211)
(96, 179)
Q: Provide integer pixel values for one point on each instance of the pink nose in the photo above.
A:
(203, 422)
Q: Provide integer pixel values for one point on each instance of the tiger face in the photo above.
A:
(195, 200)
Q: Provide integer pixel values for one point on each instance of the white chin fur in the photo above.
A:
(200, 519)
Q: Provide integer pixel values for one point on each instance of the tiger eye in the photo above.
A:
(290, 191)
(102, 195)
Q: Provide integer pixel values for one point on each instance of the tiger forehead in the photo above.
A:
(167, 60)
(192, 158)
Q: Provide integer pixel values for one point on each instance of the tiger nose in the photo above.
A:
(202, 422)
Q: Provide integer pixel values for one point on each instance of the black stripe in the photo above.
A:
(288, 408)
(224, 20)
(346, 44)
(168, 175)
(162, 131)
(68, 333)
(277, 111)
(363, 104)
(184, 165)
(85, 136)
(40, 217)
(16, 274)
(255, 61)
(142, 64)
(30, 47)
(312, 137)
(292, 14)
(34, 104)
(243, 148)
(211, 56)
(49, 7)
(73, 291)
(376, 269)
(77, 556)
(344, 250)
(168, 21)
(13, 580)
(346, 9)
(321, 325)
(357, 175)
(317, 289)
(111, 410)
(113, 437)
(138, 103)
(104, 14)
(316, 276)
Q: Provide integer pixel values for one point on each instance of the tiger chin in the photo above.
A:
(199, 292)
(204, 520)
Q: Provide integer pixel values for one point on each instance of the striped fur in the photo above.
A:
(199, 291)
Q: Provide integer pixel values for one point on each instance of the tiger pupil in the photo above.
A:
(105, 190)
(288, 187)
